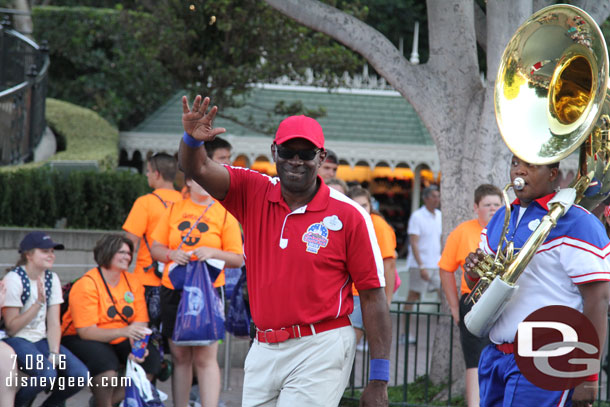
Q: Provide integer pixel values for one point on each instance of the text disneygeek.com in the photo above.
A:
(62, 382)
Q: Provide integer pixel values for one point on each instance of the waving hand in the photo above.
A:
(196, 122)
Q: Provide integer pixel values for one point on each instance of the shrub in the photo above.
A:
(84, 133)
(104, 59)
(41, 197)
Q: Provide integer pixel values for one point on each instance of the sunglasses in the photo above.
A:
(288, 153)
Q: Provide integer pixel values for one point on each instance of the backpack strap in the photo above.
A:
(25, 282)
(160, 199)
(48, 283)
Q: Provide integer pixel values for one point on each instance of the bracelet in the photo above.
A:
(379, 370)
(40, 303)
(472, 280)
(191, 141)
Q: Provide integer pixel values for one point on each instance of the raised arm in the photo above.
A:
(198, 126)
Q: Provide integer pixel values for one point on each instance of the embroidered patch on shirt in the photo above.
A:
(315, 237)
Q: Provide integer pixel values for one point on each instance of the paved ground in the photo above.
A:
(230, 397)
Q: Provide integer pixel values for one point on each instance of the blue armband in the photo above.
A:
(191, 141)
(379, 370)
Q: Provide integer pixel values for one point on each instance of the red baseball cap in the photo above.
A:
(300, 127)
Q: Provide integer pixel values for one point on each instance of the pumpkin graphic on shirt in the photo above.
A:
(193, 238)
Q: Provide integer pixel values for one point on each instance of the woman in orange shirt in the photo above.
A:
(106, 314)
(194, 229)
(386, 238)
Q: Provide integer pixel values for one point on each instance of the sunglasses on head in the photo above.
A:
(288, 153)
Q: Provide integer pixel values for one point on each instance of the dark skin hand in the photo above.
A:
(469, 265)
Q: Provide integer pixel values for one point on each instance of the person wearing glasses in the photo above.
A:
(304, 246)
(106, 314)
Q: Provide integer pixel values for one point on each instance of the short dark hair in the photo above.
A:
(331, 157)
(428, 190)
(356, 191)
(108, 246)
(484, 190)
(165, 164)
(216, 144)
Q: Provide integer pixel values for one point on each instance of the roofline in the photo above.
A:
(339, 90)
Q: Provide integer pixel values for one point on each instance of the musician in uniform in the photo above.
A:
(570, 268)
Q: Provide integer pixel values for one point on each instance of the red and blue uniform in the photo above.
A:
(575, 252)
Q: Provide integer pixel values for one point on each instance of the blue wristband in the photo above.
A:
(379, 370)
(191, 141)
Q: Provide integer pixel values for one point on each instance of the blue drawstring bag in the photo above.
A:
(232, 276)
(200, 318)
(238, 315)
(140, 392)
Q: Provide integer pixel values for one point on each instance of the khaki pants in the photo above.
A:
(309, 371)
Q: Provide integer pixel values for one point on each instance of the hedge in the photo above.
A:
(106, 60)
(86, 199)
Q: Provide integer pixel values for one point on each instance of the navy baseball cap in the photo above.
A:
(38, 240)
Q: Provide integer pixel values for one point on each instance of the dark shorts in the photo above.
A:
(472, 346)
(101, 357)
(169, 308)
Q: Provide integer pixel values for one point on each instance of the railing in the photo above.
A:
(411, 360)
(23, 88)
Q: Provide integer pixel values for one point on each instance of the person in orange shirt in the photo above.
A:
(386, 238)
(106, 314)
(193, 229)
(462, 241)
(142, 219)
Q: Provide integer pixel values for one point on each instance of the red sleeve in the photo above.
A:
(243, 183)
(364, 261)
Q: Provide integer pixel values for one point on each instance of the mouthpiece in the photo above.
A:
(518, 184)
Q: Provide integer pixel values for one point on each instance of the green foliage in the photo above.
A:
(106, 60)
(220, 47)
(86, 199)
(420, 392)
(84, 133)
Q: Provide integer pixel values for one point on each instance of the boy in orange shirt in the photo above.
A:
(141, 222)
(462, 241)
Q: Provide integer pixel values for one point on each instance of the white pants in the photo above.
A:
(309, 371)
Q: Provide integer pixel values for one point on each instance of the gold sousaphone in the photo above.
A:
(550, 99)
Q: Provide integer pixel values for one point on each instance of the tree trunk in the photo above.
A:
(23, 23)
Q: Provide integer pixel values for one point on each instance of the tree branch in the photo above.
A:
(361, 38)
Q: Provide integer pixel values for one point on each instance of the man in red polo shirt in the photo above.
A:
(304, 246)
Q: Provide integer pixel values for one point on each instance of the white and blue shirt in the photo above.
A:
(575, 252)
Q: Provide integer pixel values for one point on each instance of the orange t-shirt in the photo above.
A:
(217, 229)
(462, 241)
(141, 221)
(90, 303)
(386, 238)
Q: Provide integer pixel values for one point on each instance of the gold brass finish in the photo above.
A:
(550, 99)
(551, 84)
